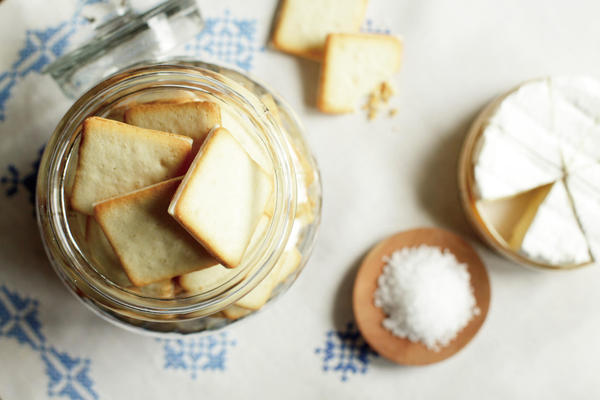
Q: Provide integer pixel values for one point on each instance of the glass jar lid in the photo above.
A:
(125, 38)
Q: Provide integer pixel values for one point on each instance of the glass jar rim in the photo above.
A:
(61, 246)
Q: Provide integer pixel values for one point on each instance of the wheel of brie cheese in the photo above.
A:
(530, 172)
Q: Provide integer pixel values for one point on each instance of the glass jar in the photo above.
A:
(275, 138)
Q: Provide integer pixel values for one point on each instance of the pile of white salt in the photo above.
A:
(426, 295)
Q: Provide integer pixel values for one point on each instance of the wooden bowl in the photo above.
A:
(369, 318)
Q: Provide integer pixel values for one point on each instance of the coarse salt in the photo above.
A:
(426, 295)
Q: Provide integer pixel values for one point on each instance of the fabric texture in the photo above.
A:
(394, 173)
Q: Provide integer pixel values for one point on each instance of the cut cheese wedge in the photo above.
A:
(550, 232)
(585, 191)
(583, 92)
(354, 65)
(579, 135)
(526, 116)
(222, 197)
(503, 167)
(303, 25)
(150, 245)
(193, 119)
(116, 158)
(504, 214)
(528, 213)
(108, 264)
(534, 140)
(577, 119)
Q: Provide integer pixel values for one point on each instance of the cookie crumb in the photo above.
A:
(386, 91)
(379, 98)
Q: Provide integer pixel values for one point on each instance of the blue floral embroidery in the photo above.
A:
(206, 353)
(345, 352)
(230, 40)
(13, 180)
(68, 376)
(372, 27)
(41, 47)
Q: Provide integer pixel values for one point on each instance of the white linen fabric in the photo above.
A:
(541, 337)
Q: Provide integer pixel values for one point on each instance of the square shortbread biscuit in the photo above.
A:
(108, 264)
(164, 289)
(234, 312)
(116, 158)
(199, 281)
(207, 278)
(289, 263)
(354, 65)
(222, 197)
(303, 25)
(150, 245)
(285, 266)
(193, 119)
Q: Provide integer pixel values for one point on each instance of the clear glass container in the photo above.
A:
(275, 139)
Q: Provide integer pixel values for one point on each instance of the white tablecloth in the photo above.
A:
(542, 335)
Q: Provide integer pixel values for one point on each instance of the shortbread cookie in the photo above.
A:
(164, 289)
(234, 312)
(289, 263)
(150, 245)
(106, 261)
(116, 158)
(241, 130)
(205, 279)
(108, 264)
(163, 96)
(222, 197)
(257, 297)
(193, 119)
(353, 65)
(160, 97)
(303, 25)
(77, 223)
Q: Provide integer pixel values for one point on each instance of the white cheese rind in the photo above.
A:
(526, 115)
(554, 236)
(577, 119)
(547, 131)
(503, 167)
(517, 150)
(584, 187)
(556, 121)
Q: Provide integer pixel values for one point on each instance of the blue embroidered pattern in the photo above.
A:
(41, 47)
(346, 352)
(13, 180)
(371, 27)
(207, 353)
(68, 376)
(230, 40)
